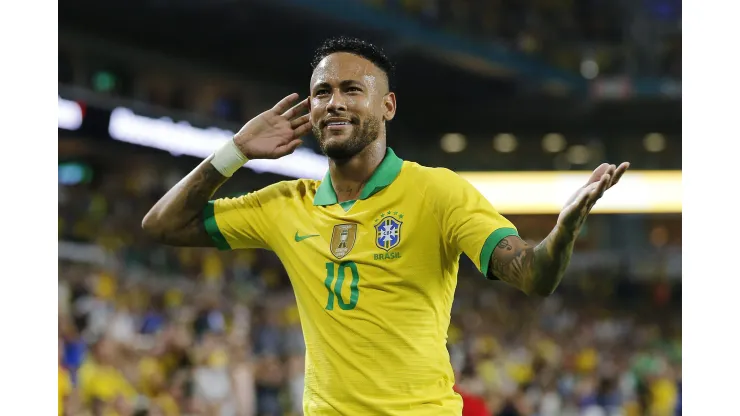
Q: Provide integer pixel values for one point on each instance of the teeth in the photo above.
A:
(337, 123)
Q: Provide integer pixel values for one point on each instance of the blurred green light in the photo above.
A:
(104, 81)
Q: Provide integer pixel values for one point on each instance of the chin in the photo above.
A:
(336, 149)
(338, 152)
(336, 140)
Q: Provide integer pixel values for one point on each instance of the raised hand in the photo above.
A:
(579, 205)
(276, 132)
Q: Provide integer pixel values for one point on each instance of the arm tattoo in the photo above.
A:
(177, 218)
(512, 265)
(532, 269)
(203, 186)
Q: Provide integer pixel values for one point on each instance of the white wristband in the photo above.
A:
(228, 159)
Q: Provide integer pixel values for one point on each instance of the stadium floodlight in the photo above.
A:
(647, 192)
(69, 114)
(181, 138)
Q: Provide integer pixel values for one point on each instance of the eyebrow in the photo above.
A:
(345, 83)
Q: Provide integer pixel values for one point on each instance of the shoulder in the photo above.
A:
(428, 174)
(275, 198)
(285, 190)
(291, 189)
(431, 180)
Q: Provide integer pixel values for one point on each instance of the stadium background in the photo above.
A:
(147, 87)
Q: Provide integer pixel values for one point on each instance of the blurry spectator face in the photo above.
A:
(105, 351)
(349, 104)
(270, 371)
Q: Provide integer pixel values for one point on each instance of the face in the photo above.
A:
(350, 103)
(105, 351)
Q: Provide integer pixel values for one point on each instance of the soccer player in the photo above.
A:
(372, 250)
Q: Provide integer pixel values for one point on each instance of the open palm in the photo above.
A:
(579, 205)
(276, 132)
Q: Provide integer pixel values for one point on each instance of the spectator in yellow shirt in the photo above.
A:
(65, 389)
(64, 383)
(99, 379)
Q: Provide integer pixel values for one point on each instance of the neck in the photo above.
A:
(349, 176)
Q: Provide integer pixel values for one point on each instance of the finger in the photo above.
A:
(580, 199)
(590, 194)
(284, 104)
(298, 122)
(289, 148)
(302, 130)
(597, 173)
(296, 109)
(619, 172)
(599, 189)
(610, 171)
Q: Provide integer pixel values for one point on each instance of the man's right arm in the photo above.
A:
(177, 218)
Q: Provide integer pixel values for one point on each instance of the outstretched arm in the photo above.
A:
(177, 218)
(539, 269)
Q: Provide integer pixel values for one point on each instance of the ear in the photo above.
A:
(389, 104)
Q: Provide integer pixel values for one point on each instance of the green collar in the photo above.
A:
(383, 176)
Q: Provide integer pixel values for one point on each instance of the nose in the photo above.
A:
(336, 103)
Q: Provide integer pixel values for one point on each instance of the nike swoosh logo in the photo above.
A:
(299, 238)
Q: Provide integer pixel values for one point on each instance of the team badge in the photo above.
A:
(388, 233)
(343, 239)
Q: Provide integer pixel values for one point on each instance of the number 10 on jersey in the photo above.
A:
(335, 290)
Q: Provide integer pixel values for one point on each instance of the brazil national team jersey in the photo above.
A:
(374, 279)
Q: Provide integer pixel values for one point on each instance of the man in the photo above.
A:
(372, 250)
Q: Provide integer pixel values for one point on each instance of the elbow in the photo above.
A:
(543, 291)
(151, 227)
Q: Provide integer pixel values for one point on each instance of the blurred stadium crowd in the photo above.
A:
(235, 348)
(593, 38)
(150, 330)
(614, 37)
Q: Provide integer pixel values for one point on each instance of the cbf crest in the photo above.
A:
(388, 232)
(343, 239)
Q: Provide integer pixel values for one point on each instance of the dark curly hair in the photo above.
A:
(359, 47)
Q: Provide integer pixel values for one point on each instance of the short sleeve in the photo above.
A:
(468, 220)
(241, 222)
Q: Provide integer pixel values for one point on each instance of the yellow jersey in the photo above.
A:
(103, 382)
(374, 279)
(64, 387)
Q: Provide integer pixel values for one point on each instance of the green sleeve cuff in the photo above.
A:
(488, 247)
(209, 220)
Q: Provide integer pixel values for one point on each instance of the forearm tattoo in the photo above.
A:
(179, 214)
(532, 269)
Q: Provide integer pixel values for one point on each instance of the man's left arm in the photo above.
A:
(533, 269)
(539, 269)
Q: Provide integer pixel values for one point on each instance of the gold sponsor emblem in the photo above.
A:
(343, 239)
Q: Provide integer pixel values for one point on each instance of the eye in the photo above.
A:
(322, 91)
(354, 89)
